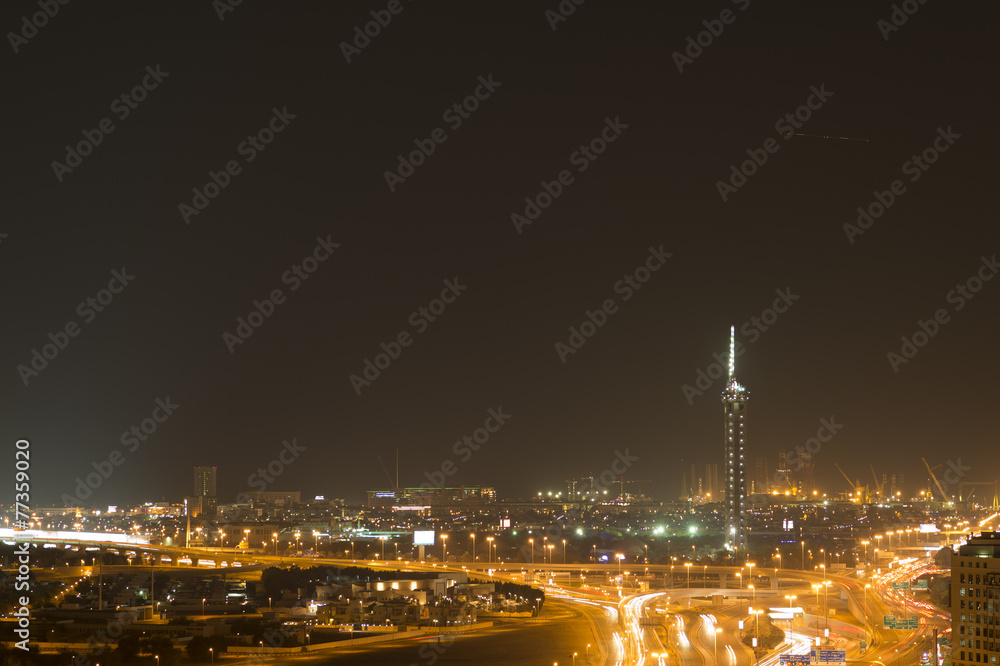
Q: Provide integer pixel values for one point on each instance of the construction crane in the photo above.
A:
(963, 484)
(879, 488)
(855, 486)
(622, 482)
(930, 471)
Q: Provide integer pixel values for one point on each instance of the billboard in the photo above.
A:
(423, 538)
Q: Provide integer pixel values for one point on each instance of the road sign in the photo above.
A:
(893, 622)
(829, 657)
(920, 584)
(794, 659)
(901, 585)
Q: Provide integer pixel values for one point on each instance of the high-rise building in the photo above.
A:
(204, 481)
(204, 488)
(761, 482)
(734, 410)
(975, 608)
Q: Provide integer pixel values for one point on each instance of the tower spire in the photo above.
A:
(732, 352)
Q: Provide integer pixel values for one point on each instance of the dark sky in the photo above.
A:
(655, 185)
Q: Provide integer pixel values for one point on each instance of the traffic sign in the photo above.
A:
(920, 584)
(829, 657)
(901, 585)
(794, 659)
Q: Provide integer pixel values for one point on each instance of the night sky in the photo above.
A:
(608, 67)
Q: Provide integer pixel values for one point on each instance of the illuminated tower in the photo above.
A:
(734, 409)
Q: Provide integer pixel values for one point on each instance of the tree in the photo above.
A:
(128, 647)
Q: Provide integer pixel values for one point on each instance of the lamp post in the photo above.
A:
(704, 575)
(715, 642)
(739, 575)
(867, 585)
(564, 560)
(619, 557)
(791, 598)
(473, 546)
(532, 542)
(202, 606)
(687, 565)
(274, 538)
(352, 551)
(753, 595)
(551, 548)
(444, 548)
(489, 542)
(246, 538)
(802, 556)
(826, 601)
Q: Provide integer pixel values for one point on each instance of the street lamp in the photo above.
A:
(202, 606)
(688, 566)
(802, 555)
(715, 642)
(619, 557)
(490, 544)
(564, 562)
(444, 550)
(274, 538)
(867, 585)
(532, 542)
(550, 547)
(352, 551)
(473, 546)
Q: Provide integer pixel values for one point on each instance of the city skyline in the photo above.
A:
(270, 243)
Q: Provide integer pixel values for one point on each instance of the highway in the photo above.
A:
(654, 628)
